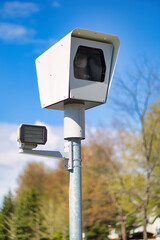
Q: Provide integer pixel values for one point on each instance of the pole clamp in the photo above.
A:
(68, 163)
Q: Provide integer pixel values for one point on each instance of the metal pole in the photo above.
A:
(75, 193)
(74, 132)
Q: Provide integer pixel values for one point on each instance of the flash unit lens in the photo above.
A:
(89, 64)
(32, 134)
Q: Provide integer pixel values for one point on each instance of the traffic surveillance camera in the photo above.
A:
(29, 136)
(77, 69)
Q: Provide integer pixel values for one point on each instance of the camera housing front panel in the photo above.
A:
(93, 89)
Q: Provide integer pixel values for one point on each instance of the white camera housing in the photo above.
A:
(56, 70)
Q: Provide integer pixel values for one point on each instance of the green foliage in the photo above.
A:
(98, 232)
(28, 221)
(58, 236)
(5, 213)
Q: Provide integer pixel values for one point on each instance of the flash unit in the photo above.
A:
(29, 136)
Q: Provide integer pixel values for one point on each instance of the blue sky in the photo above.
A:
(28, 28)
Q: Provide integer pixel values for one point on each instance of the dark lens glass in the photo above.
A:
(89, 64)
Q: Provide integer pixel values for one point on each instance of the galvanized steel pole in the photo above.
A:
(74, 132)
(75, 193)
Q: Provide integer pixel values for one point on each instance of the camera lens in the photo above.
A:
(89, 64)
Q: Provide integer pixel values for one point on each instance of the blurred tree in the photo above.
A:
(152, 168)
(33, 176)
(52, 187)
(48, 213)
(112, 174)
(133, 100)
(97, 203)
(5, 213)
(58, 236)
(60, 195)
(28, 216)
(98, 231)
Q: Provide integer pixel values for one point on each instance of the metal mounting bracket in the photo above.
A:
(67, 155)
(68, 163)
(27, 146)
(42, 153)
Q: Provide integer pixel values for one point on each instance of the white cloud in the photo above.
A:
(19, 34)
(12, 32)
(18, 9)
(56, 4)
(12, 163)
